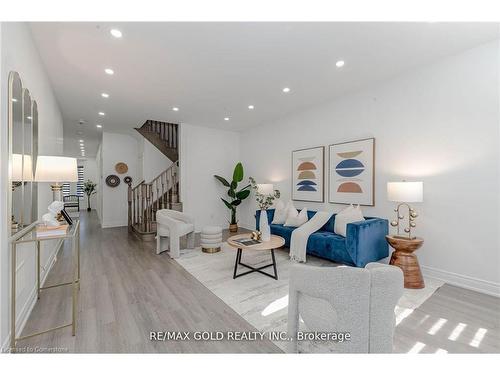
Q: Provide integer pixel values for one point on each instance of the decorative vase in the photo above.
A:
(265, 230)
(233, 228)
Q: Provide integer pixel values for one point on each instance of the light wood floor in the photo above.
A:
(126, 292)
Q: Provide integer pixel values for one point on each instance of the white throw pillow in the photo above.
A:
(280, 212)
(348, 215)
(294, 218)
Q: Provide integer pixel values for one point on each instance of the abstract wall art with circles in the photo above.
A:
(308, 174)
(351, 172)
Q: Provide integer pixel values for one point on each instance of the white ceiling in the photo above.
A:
(214, 70)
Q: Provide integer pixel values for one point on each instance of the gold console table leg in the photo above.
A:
(13, 299)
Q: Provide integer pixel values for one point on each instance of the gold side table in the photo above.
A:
(28, 235)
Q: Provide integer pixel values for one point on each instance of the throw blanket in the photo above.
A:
(298, 243)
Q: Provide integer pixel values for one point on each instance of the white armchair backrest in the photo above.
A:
(166, 215)
(386, 290)
(331, 299)
(360, 301)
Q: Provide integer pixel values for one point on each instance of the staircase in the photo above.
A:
(163, 135)
(145, 199)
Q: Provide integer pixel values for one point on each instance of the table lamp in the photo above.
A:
(56, 169)
(405, 192)
(265, 189)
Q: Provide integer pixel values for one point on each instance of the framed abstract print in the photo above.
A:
(351, 172)
(308, 174)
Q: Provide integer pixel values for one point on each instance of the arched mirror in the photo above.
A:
(16, 148)
(23, 149)
(34, 185)
(26, 217)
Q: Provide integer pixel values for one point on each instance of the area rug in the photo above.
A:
(261, 300)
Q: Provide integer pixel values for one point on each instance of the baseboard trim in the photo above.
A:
(113, 225)
(25, 311)
(467, 282)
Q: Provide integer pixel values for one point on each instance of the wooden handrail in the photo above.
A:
(145, 199)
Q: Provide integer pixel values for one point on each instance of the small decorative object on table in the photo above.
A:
(236, 197)
(256, 235)
(50, 218)
(264, 195)
(89, 188)
(127, 180)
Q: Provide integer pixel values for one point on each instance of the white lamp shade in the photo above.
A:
(20, 171)
(265, 189)
(56, 169)
(405, 191)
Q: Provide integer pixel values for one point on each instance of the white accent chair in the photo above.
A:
(360, 301)
(174, 225)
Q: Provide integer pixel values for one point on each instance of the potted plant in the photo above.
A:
(264, 201)
(89, 188)
(236, 196)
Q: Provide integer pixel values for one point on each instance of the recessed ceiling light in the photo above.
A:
(109, 71)
(116, 33)
(102, 114)
(226, 118)
(14, 100)
(175, 109)
(81, 140)
(98, 126)
(286, 89)
(340, 63)
(29, 117)
(251, 107)
(104, 95)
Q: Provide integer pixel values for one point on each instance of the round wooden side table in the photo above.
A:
(404, 258)
(275, 243)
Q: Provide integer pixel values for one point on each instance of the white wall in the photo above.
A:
(117, 148)
(439, 125)
(19, 53)
(100, 182)
(204, 152)
(153, 161)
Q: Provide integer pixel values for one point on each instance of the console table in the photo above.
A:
(28, 235)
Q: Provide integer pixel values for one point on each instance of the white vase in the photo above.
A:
(265, 230)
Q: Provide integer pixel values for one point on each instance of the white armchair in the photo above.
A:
(360, 301)
(174, 225)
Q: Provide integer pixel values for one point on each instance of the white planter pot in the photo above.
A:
(265, 230)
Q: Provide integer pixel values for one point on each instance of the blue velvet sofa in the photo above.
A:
(365, 241)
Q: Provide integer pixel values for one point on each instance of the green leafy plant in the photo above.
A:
(236, 196)
(89, 188)
(264, 201)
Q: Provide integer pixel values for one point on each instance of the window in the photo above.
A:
(66, 187)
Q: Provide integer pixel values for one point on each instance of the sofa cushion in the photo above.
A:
(328, 245)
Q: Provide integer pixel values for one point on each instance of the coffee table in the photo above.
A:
(275, 243)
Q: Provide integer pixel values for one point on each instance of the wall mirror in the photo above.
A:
(23, 149)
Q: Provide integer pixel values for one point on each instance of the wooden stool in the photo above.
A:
(404, 258)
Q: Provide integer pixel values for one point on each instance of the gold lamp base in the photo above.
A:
(210, 250)
(56, 191)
